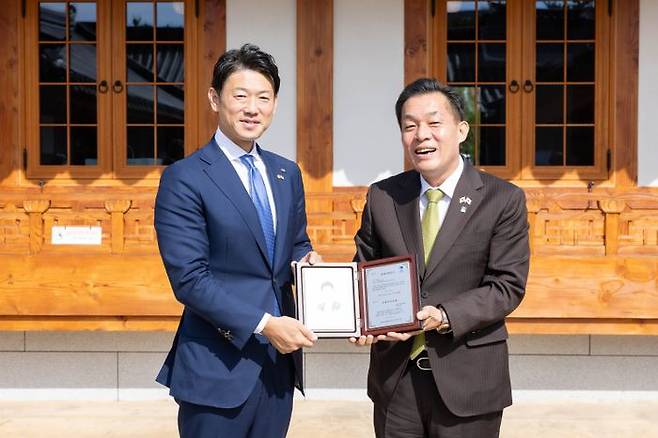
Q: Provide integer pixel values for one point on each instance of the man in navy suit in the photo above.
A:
(230, 219)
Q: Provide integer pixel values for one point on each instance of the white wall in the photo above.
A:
(82, 365)
(123, 366)
(542, 368)
(272, 26)
(368, 76)
(648, 95)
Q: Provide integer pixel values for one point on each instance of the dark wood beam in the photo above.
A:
(212, 43)
(315, 29)
(626, 77)
(10, 90)
(416, 55)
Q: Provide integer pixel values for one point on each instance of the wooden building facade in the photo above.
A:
(99, 96)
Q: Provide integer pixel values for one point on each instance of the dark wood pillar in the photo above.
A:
(315, 50)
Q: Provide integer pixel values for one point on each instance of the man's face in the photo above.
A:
(245, 106)
(431, 134)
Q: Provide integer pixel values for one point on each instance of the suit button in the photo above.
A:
(424, 294)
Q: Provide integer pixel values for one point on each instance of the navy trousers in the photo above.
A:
(265, 414)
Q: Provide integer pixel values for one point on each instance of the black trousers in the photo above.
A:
(416, 410)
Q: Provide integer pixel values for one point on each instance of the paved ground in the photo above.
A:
(320, 419)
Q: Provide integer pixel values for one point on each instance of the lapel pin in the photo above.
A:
(283, 170)
(278, 175)
(465, 200)
(463, 209)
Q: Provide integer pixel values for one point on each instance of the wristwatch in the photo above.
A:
(444, 327)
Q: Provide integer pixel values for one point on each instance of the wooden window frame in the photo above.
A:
(35, 170)
(119, 109)
(602, 107)
(439, 66)
(112, 168)
(429, 41)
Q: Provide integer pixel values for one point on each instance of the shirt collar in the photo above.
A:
(232, 151)
(449, 185)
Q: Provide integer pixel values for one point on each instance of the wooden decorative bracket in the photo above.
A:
(612, 208)
(35, 208)
(117, 208)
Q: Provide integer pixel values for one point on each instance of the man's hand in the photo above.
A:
(312, 257)
(390, 337)
(431, 317)
(287, 334)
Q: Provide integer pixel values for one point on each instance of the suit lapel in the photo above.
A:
(406, 208)
(279, 183)
(458, 214)
(222, 173)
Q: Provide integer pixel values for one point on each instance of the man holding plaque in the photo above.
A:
(230, 218)
(469, 231)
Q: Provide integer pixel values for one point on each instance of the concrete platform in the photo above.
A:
(319, 419)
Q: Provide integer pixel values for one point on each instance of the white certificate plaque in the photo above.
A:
(388, 300)
(338, 300)
(327, 298)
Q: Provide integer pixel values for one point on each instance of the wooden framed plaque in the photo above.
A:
(389, 295)
(340, 300)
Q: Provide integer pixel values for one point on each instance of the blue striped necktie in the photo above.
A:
(258, 194)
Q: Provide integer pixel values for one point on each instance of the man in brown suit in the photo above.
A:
(469, 230)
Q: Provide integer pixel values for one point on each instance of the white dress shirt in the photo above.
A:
(233, 152)
(448, 188)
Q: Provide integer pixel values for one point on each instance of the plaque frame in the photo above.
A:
(362, 326)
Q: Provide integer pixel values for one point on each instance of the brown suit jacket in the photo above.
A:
(477, 271)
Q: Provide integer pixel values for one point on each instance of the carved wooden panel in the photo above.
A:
(76, 213)
(638, 232)
(331, 226)
(569, 232)
(587, 224)
(139, 233)
(14, 229)
(594, 259)
(562, 223)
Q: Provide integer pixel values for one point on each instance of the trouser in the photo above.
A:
(416, 410)
(265, 414)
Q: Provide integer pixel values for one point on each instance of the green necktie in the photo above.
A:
(430, 227)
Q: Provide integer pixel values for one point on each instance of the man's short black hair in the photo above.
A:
(426, 86)
(247, 57)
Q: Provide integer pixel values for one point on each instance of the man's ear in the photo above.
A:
(463, 129)
(276, 104)
(213, 98)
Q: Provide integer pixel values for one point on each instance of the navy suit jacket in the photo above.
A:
(215, 256)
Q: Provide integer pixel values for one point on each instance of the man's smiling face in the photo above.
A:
(245, 105)
(431, 134)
